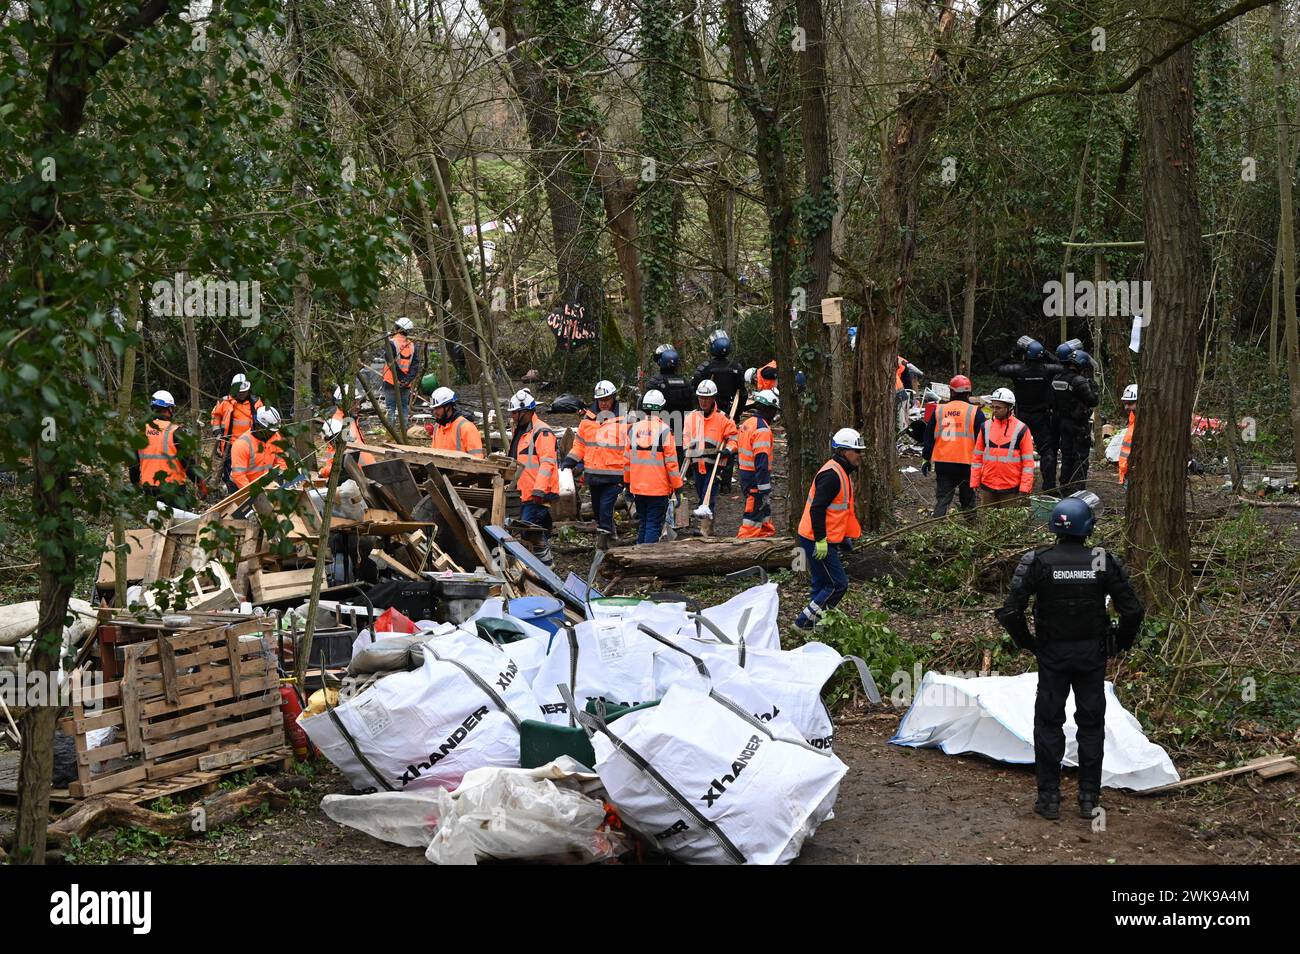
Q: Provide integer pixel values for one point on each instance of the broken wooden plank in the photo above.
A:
(167, 661)
(472, 533)
(395, 565)
(1274, 765)
(393, 481)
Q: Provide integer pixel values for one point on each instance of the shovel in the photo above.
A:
(704, 511)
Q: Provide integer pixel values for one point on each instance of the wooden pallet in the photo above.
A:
(199, 783)
(189, 701)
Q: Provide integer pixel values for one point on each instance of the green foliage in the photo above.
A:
(868, 636)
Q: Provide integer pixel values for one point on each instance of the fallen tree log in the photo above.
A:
(105, 811)
(700, 556)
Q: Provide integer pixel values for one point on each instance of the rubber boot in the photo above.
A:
(1048, 805)
(1088, 804)
(544, 554)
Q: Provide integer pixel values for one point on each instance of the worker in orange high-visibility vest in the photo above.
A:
(451, 429)
(231, 418)
(347, 410)
(597, 455)
(950, 445)
(754, 447)
(161, 470)
(650, 468)
(1002, 467)
(533, 447)
(1126, 442)
(259, 451)
(709, 436)
(830, 525)
(402, 358)
(767, 378)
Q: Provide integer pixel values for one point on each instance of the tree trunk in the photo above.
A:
(968, 304)
(1156, 518)
(699, 557)
(1287, 246)
(127, 383)
(619, 196)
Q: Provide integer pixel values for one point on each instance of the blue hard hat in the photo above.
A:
(719, 345)
(1035, 351)
(667, 359)
(1063, 352)
(1072, 517)
(800, 379)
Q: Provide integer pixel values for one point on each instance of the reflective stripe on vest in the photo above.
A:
(752, 441)
(161, 447)
(841, 518)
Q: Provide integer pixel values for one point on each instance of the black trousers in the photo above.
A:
(1079, 665)
(1075, 446)
(946, 483)
(1040, 426)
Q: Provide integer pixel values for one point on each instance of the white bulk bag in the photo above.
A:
(713, 785)
(750, 615)
(609, 659)
(527, 652)
(459, 711)
(792, 680)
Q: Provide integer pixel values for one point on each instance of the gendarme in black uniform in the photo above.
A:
(730, 379)
(1074, 395)
(1031, 374)
(1069, 583)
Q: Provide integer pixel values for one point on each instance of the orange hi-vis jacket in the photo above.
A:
(601, 444)
(703, 437)
(404, 348)
(233, 418)
(354, 437)
(536, 452)
(752, 439)
(650, 464)
(251, 458)
(459, 434)
(898, 374)
(1004, 456)
(1126, 447)
(841, 517)
(160, 462)
(758, 378)
(954, 433)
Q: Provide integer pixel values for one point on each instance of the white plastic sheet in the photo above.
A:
(994, 716)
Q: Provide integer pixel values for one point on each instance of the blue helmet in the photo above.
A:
(800, 380)
(1072, 517)
(719, 344)
(1063, 352)
(1080, 359)
(667, 359)
(1035, 351)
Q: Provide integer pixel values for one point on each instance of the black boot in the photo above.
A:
(1088, 804)
(1048, 805)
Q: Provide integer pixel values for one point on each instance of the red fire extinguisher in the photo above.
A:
(290, 709)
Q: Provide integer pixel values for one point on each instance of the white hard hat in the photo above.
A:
(768, 398)
(1003, 396)
(344, 392)
(240, 381)
(653, 400)
(706, 389)
(605, 389)
(522, 401)
(162, 399)
(750, 375)
(404, 324)
(1130, 393)
(268, 417)
(331, 427)
(849, 439)
(442, 396)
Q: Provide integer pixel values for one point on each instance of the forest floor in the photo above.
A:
(904, 805)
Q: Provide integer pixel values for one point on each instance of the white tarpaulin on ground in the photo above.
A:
(994, 716)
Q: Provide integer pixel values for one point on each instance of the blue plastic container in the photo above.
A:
(544, 612)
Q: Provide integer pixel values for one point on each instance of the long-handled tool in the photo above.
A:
(704, 511)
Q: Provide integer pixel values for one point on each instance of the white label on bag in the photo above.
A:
(374, 715)
(611, 644)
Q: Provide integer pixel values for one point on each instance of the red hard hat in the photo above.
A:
(960, 383)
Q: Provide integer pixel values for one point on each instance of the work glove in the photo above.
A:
(925, 469)
(821, 549)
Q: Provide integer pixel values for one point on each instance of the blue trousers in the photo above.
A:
(603, 498)
(829, 581)
(390, 401)
(536, 513)
(650, 513)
